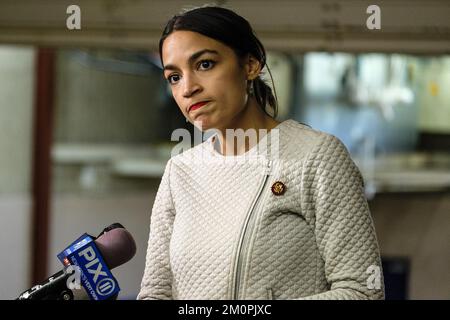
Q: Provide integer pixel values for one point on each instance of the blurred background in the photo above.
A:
(86, 119)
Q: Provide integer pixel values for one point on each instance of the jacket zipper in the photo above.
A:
(245, 233)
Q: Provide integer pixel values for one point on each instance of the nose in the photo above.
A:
(191, 86)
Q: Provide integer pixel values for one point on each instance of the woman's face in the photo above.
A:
(201, 69)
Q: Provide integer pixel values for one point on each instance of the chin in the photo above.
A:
(203, 123)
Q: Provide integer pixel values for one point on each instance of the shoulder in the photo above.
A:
(301, 139)
(324, 155)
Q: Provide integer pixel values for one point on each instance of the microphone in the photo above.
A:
(116, 247)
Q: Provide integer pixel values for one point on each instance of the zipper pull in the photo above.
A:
(269, 167)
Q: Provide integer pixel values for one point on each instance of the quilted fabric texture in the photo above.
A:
(218, 231)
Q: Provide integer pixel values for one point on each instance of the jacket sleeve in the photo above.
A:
(157, 280)
(343, 226)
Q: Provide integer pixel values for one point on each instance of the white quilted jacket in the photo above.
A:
(219, 231)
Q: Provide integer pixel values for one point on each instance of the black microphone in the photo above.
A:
(116, 246)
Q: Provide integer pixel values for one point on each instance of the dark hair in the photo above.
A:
(234, 31)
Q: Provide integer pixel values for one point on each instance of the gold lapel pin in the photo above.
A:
(278, 188)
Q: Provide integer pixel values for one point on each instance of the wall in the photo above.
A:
(101, 98)
(434, 95)
(16, 98)
(417, 226)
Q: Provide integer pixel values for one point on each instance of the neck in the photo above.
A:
(251, 117)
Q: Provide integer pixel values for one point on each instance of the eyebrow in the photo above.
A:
(192, 58)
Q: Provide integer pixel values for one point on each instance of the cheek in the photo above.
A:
(230, 88)
(178, 99)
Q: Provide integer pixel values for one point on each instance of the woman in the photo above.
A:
(292, 223)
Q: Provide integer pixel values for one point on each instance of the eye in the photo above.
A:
(206, 64)
(173, 78)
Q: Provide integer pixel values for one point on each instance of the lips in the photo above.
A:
(197, 105)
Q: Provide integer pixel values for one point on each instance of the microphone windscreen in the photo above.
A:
(117, 246)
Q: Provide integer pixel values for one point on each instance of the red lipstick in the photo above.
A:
(197, 105)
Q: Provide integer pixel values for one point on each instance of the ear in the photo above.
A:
(252, 67)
